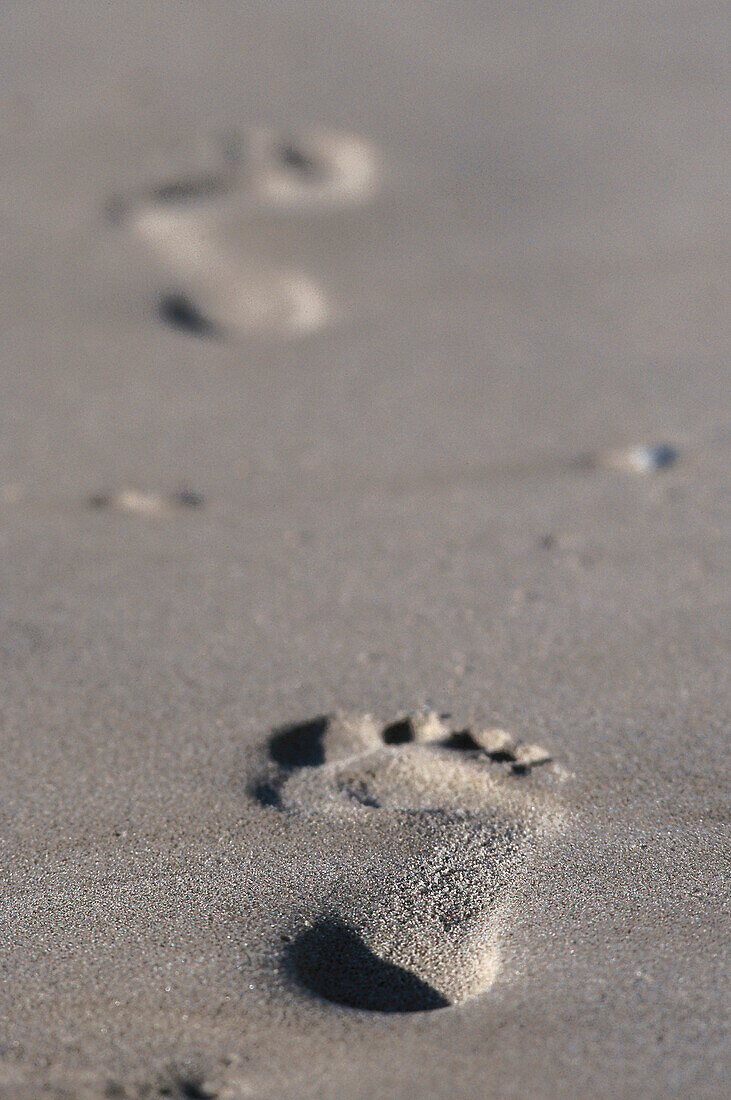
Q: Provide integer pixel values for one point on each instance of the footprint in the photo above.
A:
(210, 290)
(460, 811)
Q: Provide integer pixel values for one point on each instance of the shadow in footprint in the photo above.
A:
(291, 156)
(399, 732)
(331, 960)
(300, 745)
(182, 313)
(195, 189)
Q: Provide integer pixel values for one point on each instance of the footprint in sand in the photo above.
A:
(206, 288)
(461, 811)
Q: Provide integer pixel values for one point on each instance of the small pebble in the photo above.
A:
(145, 501)
(140, 500)
(644, 458)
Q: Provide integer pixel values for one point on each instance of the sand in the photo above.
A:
(363, 360)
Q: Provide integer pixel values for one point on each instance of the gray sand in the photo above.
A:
(422, 499)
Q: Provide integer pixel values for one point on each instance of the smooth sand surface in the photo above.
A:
(289, 430)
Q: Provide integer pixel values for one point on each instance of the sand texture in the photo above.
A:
(364, 464)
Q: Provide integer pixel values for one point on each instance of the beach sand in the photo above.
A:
(365, 361)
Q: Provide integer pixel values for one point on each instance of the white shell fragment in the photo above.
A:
(645, 458)
(145, 502)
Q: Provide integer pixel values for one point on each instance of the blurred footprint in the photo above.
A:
(208, 288)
